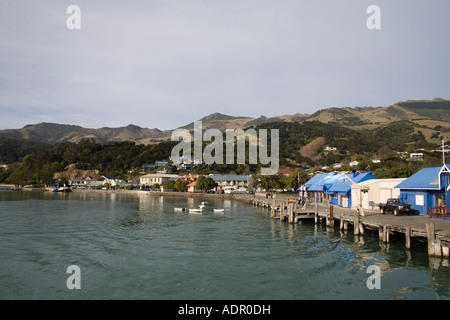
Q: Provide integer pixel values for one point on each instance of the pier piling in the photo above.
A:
(434, 244)
(438, 243)
(408, 237)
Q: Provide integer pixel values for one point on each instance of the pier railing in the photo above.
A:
(439, 212)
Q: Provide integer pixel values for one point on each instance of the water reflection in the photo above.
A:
(123, 239)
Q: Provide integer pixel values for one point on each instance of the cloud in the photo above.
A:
(165, 63)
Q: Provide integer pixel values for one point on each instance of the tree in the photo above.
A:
(181, 185)
(155, 186)
(205, 183)
(169, 185)
(63, 181)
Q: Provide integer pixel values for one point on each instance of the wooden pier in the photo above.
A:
(436, 233)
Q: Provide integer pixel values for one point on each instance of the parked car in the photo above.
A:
(396, 206)
(220, 191)
(229, 190)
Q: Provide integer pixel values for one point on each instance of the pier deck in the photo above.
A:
(434, 231)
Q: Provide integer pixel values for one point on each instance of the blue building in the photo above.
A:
(426, 188)
(336, 187)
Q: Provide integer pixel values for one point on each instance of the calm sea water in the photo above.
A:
(131, 246)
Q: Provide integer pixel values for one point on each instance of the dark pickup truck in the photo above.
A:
(396, 206)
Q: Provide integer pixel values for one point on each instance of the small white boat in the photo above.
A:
(62, 189)
(219, 210)
(179, 209)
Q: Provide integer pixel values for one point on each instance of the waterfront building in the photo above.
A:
(334, 188)
(369, 193)
(427, 188)
(236, 181)
(191, 187)
(159, 178)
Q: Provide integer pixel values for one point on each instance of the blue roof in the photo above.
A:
(427, 178)
(315, 179)
(317, 183)
(344, 185)
(333, 182)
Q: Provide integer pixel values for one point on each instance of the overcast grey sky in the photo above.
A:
(165, 63)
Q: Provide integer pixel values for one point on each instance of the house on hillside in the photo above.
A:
(416, 156)
(147, 167)
(161, 163)
(426, 188)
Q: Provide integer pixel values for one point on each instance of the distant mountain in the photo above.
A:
(220, 121)
(430, 117)
(53, 133)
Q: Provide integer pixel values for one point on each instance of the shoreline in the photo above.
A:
(236, 196)
(249, 198)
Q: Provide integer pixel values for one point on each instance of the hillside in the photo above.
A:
(430, 117)
(371, 117)
(220, 121)
(53, 133)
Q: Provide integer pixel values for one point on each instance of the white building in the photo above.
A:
(159, 178)
(236, 181)
(371, 192)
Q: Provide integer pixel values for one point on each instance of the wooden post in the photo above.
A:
(330, 219)
(386, 234)
(341, 224)
(430, 237)
(356, 225)
(446, 252)
(316, 209)
(381, 233)
(273, 208)
(434, 245)
(408, 237)
(361, 228)
(291, 213)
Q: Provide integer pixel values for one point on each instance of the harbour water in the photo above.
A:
(135, 246)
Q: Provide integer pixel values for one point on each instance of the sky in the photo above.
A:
(165, 63)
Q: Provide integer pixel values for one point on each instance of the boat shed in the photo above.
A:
(426, 188)
(368, 194)
(335, 187)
